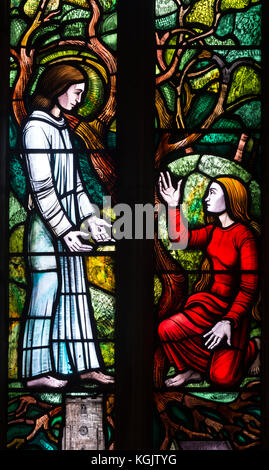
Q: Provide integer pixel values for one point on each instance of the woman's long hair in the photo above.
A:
(54, 82)
(236, 197)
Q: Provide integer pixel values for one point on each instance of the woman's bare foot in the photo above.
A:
(97, 376)
(182, 379)
(47, 382)
(256, 365)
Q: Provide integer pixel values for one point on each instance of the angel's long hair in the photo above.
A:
(54, 81)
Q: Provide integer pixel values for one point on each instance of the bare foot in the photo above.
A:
(185, 377)
(46, 381)
(98, 376)
(256, 365)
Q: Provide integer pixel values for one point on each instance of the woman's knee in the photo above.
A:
(224, 373)
(169, 330)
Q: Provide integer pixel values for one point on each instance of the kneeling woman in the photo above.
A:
(211, 335)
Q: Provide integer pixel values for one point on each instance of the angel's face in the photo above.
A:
(72, 96)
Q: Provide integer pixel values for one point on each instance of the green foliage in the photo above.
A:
(108, 5)
(246, 82)
(17, 28)
(202, 12)
(91, 181)
(104, 312)
(239, 24)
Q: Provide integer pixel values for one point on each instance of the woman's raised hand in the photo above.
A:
(167, 190)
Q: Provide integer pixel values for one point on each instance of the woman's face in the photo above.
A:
(72, 96)
(215, 200)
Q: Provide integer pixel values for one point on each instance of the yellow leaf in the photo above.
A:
(31, 6)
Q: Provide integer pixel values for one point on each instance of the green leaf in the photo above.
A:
(202, 12)
(246, 81)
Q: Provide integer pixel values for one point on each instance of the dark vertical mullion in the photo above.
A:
(135, 131)
(4, 87)
(264, 255)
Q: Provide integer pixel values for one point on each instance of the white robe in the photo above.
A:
(59, 334)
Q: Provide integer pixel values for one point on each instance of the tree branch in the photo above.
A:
(240, 149)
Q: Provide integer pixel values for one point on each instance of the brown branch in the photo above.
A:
(168, 73)
(25, 62)
(179, 117)
(24, 403)
(165, 119)
(50, 15)
(228, 414)
(201, 72)
(108, 58)
(241, 146)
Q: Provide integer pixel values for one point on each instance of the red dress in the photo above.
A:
(232, 252)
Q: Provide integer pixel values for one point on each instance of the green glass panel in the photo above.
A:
(14, 331)
(13, 133)
(77, 14)
(157, 289)
(17, 27)
(108, 353)
(52, 39)
(215, 166)
(17, 213)
(255, 200)
(166, 22)
(165, 7)
(205, 79)
(16, 300)
(250, 113)
(108, 5)
(186, 58)
(17, 270)
(202, 106)
(170, 96)
(17, 178)
(223, 124)
(110, 40)
(95, 94)
(16, 240)
(12, 77)
(92, 183)
(183, 166)
(213, 41)
(246, 81)
(219, 138)
(30, 7)
(58, 54)
(231, 56)
(75, 29)
(202, 12)
(43, 33)
(109, 23)
(237, 4)
(248, 26)
(15, 3)
(225, 26)
(194, 191)
(100, 270)
(104, 312)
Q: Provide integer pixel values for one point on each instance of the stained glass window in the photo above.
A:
(62, 138)
(208, 315)
(96, 323)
